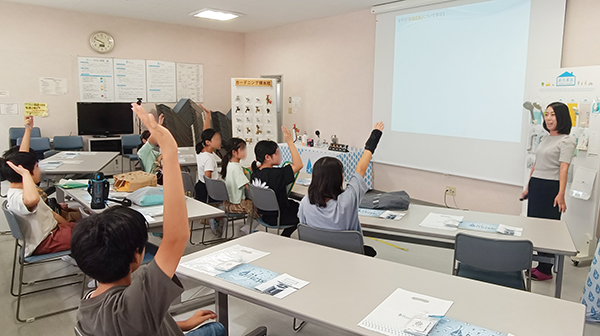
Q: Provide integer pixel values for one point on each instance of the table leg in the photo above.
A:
(60, 195)
(221, 307)
(558, 269)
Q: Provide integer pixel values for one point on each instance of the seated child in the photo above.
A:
(328, 205)
(110, 246)
(149, 152)
(235, 178)
(46, 231)
(265, 172)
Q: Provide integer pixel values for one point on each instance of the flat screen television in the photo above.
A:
(104, 118)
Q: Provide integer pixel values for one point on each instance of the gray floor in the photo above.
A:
(243, 316)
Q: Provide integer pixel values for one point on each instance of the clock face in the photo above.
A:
(102, 42)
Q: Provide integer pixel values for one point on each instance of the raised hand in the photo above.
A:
(19, 169)
(379, 126)
(159, 133)
(287, 135)
(29, 122)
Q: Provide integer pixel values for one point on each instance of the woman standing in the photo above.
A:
(548, 181)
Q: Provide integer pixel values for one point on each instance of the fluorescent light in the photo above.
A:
(214, 14)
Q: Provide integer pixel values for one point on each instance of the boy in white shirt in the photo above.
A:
(46, 231)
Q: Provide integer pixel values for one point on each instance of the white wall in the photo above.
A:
(329, 64)
(43, 42)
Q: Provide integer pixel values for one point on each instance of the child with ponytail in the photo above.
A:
(265, 172)
(235, 179)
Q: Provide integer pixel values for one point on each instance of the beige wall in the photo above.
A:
(329, 64)
(42, 42)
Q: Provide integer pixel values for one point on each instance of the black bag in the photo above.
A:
(395, 200)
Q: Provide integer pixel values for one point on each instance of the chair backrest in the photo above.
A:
(130, 141)
(263, 198)
(13, 222)
(216, 189)
(499, 255)
(39, 145)
(351, 241)
(72, 142)
(17, 132)
(188, 184)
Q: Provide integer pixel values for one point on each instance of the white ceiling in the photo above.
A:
(258, 14)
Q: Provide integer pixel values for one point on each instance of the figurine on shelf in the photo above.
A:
(268, 110)
(257, 110)
(258, 130)
(247, 110)
(237, 109)
(269, 101)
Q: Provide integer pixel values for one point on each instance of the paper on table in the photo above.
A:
(370, 212)
(393, 215)
(87, 153)
(303, 182)
(510, 230)
(73, 162)
(282, 286)
(583, 183)
(248, 275)
(441, 221)
(207, 264)
(152, 211)
(50, 165)
(395, 312)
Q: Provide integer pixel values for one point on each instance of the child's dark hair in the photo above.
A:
(104, 245)
(327, 181)
(234, 144)
(144, 136)
(563, 118)
(262, 149)
(207, 135)
(26, 159)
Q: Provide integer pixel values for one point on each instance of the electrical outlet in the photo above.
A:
(451, 191)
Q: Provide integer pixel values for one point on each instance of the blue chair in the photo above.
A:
(15, 227)
(17, 132)
(217, 190)
(68, 143)
(498, 261)
(265, 199)
(39, 145)
(130, 143)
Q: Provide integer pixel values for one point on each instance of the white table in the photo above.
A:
(82, 163)
(196, 209)
(548, 236)
(345, 287)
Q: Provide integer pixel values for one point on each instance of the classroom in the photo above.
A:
(280, 167)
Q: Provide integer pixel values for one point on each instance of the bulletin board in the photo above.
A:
(254, 109)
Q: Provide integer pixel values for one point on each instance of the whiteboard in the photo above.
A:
(498, 161)
(190, 82)
(130, 80)
(160, 82)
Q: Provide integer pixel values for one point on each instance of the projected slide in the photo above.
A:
(460, 71)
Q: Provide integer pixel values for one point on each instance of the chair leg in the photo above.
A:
(12, 279)
(297, 328)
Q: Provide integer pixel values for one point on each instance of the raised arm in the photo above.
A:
(31, 196)
(175, 228)
(296, 159)
(208, 117)
(370, 146)
(27, 136)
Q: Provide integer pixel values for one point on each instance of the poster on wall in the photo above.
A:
(96, 82)
(160, 82)
(53, 86)
(130, 80)
(190, 82)
(253, 106)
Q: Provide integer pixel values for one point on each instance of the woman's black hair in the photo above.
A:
(563, 118)
(234, 144)
(104, 244)
(207, 135)
(26, 159)
(262, 149)
(327, 181)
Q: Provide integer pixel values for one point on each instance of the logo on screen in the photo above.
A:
(566, 79)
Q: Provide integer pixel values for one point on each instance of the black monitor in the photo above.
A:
(104, 118)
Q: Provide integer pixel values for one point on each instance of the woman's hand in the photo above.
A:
(525, 193)
(379, 126)
(560, 201)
